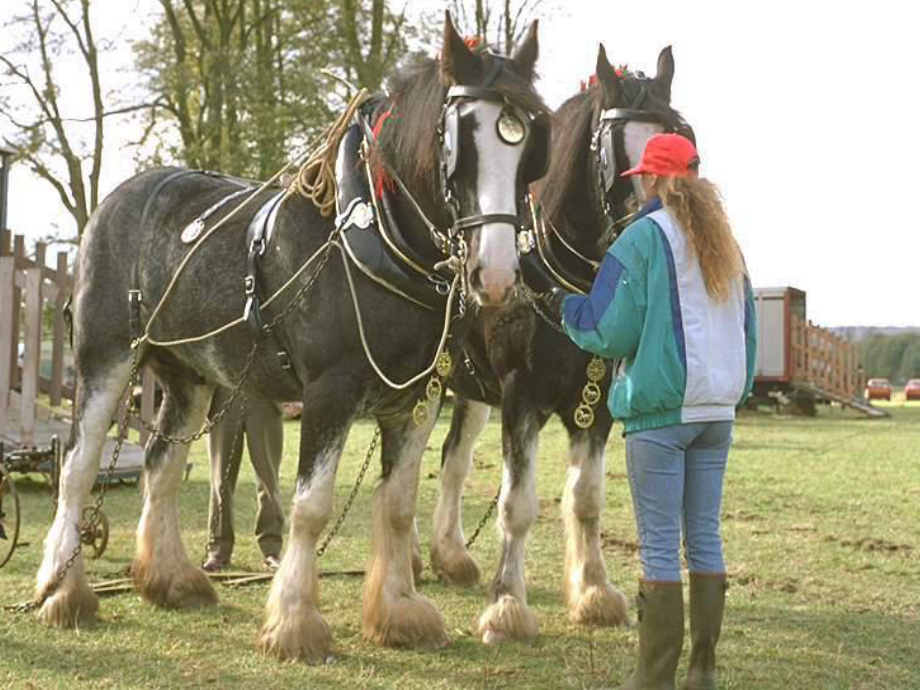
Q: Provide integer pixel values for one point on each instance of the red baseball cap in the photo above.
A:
(667, 155)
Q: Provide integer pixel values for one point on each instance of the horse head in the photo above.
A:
(602, 132)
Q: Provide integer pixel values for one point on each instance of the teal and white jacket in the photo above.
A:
(687, 358)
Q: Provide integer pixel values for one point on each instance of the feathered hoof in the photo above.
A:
(455, 568)
(405, 621)
(600, 605)
(304, 637)
(188, 588)
(508, 618)
(72, 605)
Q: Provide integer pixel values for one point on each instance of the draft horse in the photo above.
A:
(131, 250)
(518, 361)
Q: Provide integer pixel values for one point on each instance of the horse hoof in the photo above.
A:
(291, 637)
(188, 588)
(600, 605)
(407, 620)
(72, 605)
(455, 568)
(508, 618)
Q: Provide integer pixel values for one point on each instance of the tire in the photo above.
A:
(9, 514)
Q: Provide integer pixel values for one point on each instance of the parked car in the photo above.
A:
(912, 390)
(878, 389)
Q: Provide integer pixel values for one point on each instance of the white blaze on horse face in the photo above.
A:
(635, 137)
(497, 174)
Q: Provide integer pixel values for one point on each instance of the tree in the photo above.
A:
(386, 41)
(229, 76)
(46, 139)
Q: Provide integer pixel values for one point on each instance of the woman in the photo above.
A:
(673, 301)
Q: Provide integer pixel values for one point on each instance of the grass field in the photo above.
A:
(821, 534)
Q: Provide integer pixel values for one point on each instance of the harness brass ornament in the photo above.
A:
(591, 394)
(434, 389)
(192, 231)
(510, 128)
(597, 369)
(420, 413)
(444, 365)
(584, 416)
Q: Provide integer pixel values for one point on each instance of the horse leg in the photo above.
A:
(450, 558)
(72, 601)
(293, 627)
(162, 572)
(590, 597)
(508, 614)
(395, 615)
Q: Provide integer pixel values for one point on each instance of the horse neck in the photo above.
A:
(580, 219)
(411, 227)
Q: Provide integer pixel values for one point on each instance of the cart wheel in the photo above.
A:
(9, 516)
(97, 538)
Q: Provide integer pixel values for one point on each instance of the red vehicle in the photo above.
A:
(878, 389)
(912, 390)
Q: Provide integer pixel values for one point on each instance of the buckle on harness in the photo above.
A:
(249, 285)
(284, 359)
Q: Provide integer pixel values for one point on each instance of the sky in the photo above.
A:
(804, 114)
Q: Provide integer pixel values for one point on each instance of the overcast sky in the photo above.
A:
(804, 112)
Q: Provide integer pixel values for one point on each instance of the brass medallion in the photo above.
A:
(420, 413)
(584, 416)
(192, 231)
(444, 365)
(597, 369)
(510, 128)
(433, 389)
(591, 393)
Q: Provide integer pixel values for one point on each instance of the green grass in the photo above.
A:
(820, 527)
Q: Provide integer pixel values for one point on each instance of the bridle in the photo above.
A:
(604, 144)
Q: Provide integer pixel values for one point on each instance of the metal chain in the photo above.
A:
(534, 297)
(133, 412)
(485, 518)
(93, 519)
(351, 498)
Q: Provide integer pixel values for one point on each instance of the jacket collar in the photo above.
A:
(650, 207)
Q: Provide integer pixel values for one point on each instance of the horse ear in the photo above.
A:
(665, 73)
(607, 79)
(526, 54)
(459, 64)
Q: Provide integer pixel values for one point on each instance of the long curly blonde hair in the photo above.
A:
(696, 204)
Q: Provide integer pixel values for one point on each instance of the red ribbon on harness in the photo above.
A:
(592, 80)
(382, 179)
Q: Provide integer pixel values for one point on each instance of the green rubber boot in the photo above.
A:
(661, 636)
(707, 607)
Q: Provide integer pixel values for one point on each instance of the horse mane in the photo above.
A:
(571, 138)
(408, 142)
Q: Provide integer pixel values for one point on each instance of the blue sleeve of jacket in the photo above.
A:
(750, 336)
(608, 321)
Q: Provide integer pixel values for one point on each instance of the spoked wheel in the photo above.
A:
(9, 516)
(95, 537)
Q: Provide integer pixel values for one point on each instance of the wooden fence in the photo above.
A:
(30, 290)
(824, 360)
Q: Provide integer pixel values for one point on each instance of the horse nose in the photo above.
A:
(494, 287)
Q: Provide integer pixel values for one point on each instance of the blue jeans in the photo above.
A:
(675, 476)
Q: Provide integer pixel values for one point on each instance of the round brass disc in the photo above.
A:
(591, 393)
(584, 417)
(510, 128)
(444, 365)
(597, 369)
(433, 389)
(420, 413)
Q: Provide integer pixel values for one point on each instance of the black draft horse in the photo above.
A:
(136, 240)
(529, 369)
